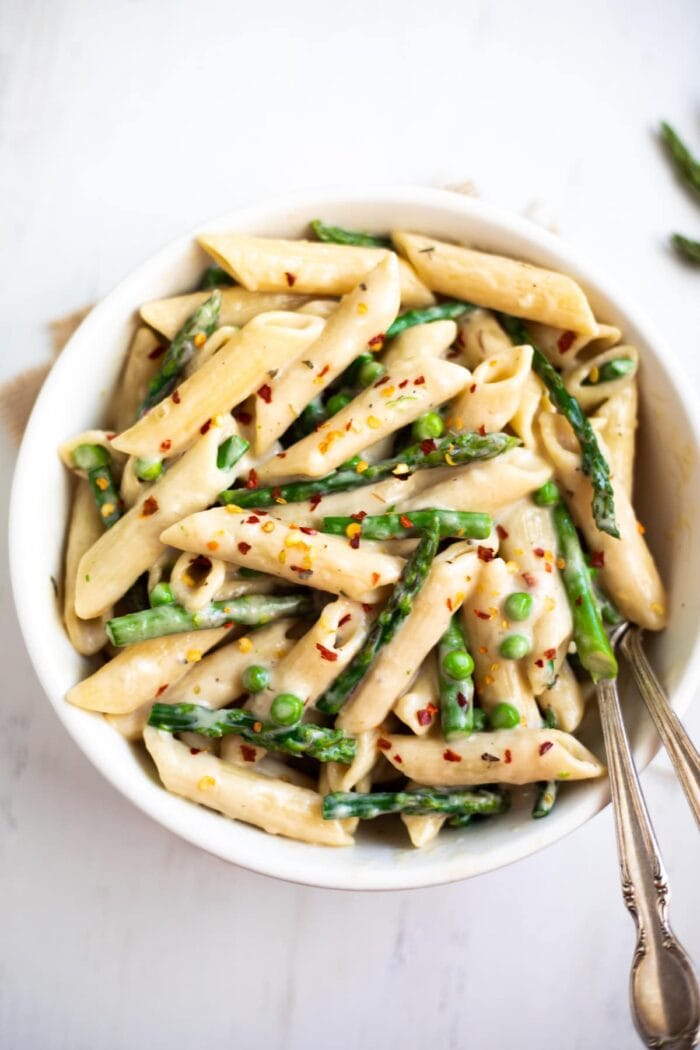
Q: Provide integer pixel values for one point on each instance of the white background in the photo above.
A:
(122, 124)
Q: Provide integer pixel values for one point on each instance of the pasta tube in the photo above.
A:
(421, 341)
(494, 394)
(508, 756)
(262, 542)
(591, 382)
(480, 336)
(141, 365)
(617, 418)
(87, 636)
(419, 705)
(238, 307)
(498, 283)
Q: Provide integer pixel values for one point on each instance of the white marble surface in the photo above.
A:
(121, 124)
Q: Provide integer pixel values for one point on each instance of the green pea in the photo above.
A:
(480, 720)
(351, 375)
(431, 425)
(336, 402)
(370, 372)
(518, 605)
(162, 594)
(514, 647)
(458, 664)
(505, 716)
(547, 495)
(148, 469)
(255, 678)
(286, 709)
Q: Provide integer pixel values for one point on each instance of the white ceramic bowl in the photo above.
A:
(73, 398)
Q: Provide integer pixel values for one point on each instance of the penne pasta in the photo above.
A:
(586, 383)
(566, 349)
(141, 363)
(420, 342)
(419, 705)
(617, 421)
(498, 283)
(242, 366)
(238, 307)
(480, 336)
(490, 400)
(86, 636)
(270, 545)
(263, 264)
(565, 699)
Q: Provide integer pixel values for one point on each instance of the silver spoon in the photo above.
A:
(663, 986)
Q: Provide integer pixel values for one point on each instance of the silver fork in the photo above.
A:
(663, 986)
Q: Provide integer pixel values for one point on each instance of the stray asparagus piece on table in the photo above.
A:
(592, 645)
(339, 805)
(339, 235)
(460, 523)
(593, 463)
(686, 165)
(250, 609)
(455, 667)
(688, 248)
(325, 745)
(450, 310)
(452, 450)
(96, 461)
(193, 333)
(387, 623)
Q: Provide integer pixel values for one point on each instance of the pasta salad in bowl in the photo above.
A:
(349, 512)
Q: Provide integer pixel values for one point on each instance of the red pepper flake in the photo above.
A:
(314, 501)
(195, 750)
(242, 417)
(501, 532)
(291, 279)
(403, 383)
(385, 745)
(212, 545)
(157, 352)
(539, 663)
(377, 340)
(485, 553)
(229, 624)
(252, 520)
(406, 521)
(507, 756)
(265, 392)
(419, 380)
(549, 654)
(448, 603)
(579, 600)
(427, 446)
(451, 756)
(530, 579)
(176, 397)
(597, 559)
(367, 607)
(355, 542)
(205, 426)
(538, 552)
(565, 341)
(161, 689)
(252, 482)
(486, 757)
(548, 567)
(397, 758)
(277, 493)
(324, 371)
(545, 747)
(375, 578)
(282, 455)
(308, 531)
(166, 445)
(472, 388)
(326, 654)
(462, 700)
(360, 516)
(348, 425)
(247, 753)
(111, 437)
(344, 619)
(424, 717)
(481, 430)
(150, 506)
(244, 547)
(382, 381)
(482, 615)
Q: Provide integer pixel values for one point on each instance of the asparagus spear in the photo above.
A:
(452, 450)
(450, 310)
(686, 247)
(214, 277)
(546, 789)
(338, 235)
(592, 645)
(339, 805)
(455, 667)
(387, 623)
(253, 609)
(593, 462)
(197, 328)
(97, 463)
(325, 745)
(686, 165)
(472, 524)
(310, 417)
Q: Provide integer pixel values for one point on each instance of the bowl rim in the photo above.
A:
(174, 817)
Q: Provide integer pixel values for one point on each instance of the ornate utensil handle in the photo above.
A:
(680, 747)
(663, 986)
